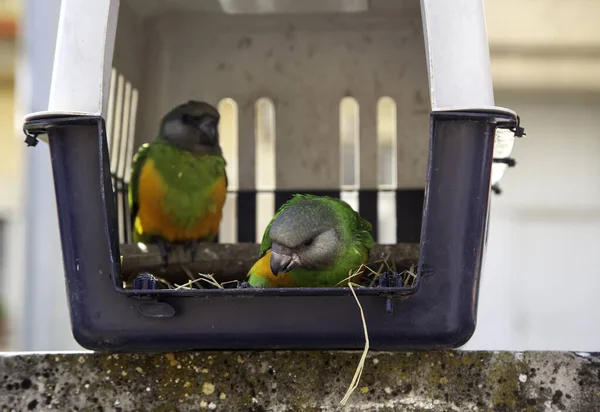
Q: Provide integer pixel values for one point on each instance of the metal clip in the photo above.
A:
(31, 139)
(509, 161)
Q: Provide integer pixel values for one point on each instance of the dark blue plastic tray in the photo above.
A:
(438, 313)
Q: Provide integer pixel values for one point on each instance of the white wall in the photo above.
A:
(39, 318)
(541, 282)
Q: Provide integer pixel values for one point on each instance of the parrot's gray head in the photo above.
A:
(305, 234)
(192, 126)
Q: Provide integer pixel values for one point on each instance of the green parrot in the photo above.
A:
(312, 241)
(178, 182)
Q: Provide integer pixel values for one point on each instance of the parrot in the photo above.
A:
(312, 241)
(178, 183)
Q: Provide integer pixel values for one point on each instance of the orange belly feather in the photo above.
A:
(152, 220)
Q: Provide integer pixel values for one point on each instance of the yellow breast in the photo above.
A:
(262, 268)
(152, 220)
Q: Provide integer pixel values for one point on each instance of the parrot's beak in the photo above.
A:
(283, 263)
(210, 128)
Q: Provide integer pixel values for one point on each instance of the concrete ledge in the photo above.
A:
(312, 381)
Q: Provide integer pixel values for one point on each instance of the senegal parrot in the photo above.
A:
(312, 241)
(178, 182)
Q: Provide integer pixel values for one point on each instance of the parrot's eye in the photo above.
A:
(188, 119)
(192, 120)
(308, 242)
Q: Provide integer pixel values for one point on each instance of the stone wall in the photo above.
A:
(296, 381)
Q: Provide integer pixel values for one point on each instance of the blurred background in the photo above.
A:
(540, 284)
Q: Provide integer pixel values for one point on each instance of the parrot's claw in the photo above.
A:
(244, 285)
(192, 247)
(236, 284)
(165, 250)
(390, 280)
(147, 281)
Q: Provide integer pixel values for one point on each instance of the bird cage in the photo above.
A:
(386, 104)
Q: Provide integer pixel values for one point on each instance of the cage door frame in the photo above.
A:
(83, 56)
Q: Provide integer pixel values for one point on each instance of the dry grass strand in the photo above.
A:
(363, 358)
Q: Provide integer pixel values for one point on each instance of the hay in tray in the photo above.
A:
(195, 281)
(369, 275)
(364, 276)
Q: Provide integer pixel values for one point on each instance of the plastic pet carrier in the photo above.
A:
(387, 104)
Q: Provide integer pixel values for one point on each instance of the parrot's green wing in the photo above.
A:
(362, 233)
(136, 168)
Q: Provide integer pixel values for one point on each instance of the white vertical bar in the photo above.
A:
(387, 177)
(265, 163)
(228, 136)
(124, 141)
(121, 149)
(350, 197)
(131, 135)
(129, 156)
(116, 132)
(387, 143)
(386, 217)
(229, 223)
(111, 108)
(349, 143)
(349, 116)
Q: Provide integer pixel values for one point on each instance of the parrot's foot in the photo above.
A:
(236, 284)
(390, 280)
(165, 251)
(192, 247)
(147, 281)
(245, 285)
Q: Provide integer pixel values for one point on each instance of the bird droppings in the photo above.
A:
(305, 381)
(208, 388)
(171, 359)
